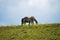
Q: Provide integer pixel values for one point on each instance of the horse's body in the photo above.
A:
(28, 20)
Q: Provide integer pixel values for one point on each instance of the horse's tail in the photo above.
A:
(22, 21)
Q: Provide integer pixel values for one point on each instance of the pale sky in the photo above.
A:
(45, 11)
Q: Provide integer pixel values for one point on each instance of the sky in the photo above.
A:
(45, 11)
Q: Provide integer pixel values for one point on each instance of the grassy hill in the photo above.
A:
(32, 32)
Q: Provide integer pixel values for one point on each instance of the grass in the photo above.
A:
(32, 32)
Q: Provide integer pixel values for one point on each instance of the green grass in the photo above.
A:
(32, 32)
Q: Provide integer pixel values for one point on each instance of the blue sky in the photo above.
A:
(45, 11)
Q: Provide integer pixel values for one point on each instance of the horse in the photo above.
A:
(29, 20)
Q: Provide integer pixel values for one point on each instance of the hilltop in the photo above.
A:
(32, 32)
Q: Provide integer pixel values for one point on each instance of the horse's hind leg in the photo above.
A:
(29, 23)
(21, 23)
